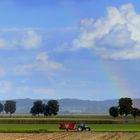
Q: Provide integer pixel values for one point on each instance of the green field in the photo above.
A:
(36, 128)
(98, 123)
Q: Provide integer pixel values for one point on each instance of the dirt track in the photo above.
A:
(72, 136)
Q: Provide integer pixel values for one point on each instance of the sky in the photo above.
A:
(84, 49)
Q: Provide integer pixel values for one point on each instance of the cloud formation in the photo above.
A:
(6, 87)
(41, 64)
(15, 38)
(114, 36)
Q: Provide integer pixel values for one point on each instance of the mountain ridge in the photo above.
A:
(73, 106)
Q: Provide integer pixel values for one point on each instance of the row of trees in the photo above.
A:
(8, 107)
(124, 108)
(51, 108)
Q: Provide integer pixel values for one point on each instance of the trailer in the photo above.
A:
(72, 126)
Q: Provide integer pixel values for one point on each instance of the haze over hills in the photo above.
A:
(76, 106)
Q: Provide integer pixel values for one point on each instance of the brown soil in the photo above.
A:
(72, 136)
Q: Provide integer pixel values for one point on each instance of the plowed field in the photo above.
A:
(72, 136)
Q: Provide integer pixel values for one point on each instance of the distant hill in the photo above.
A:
(73, 106)
(87, 107)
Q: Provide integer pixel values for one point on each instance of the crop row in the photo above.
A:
(55, 121)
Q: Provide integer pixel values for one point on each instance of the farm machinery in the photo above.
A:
(73, 126)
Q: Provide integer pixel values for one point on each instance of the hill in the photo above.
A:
(73, 106)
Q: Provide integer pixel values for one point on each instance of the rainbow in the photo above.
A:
(118, 83)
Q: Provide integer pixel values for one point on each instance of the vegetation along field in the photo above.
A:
(98, 123)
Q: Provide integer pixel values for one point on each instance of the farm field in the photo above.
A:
(71, 136)
(89, 119)
(103, 127)
(97, 123)
(37, 128)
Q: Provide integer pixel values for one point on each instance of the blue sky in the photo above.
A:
(85, 49)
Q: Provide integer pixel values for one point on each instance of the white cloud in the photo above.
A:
(48, 64)
(31, 40)
(114, 36)
(26, 38)
(41, 64)
(2, 72)
(7, 88)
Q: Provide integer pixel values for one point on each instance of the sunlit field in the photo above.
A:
(71, 136)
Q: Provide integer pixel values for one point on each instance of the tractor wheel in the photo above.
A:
(88, 129)
(79, 129)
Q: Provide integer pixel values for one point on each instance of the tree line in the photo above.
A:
(51, 108)
(125, 107)
(8, 107)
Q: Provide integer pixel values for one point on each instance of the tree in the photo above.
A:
(135, 112)
(1, 107)
(114, 111)
(33, 111)
(47, 111)
(38, 108)
(10, 107)
(125, 106)
(53, 106)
